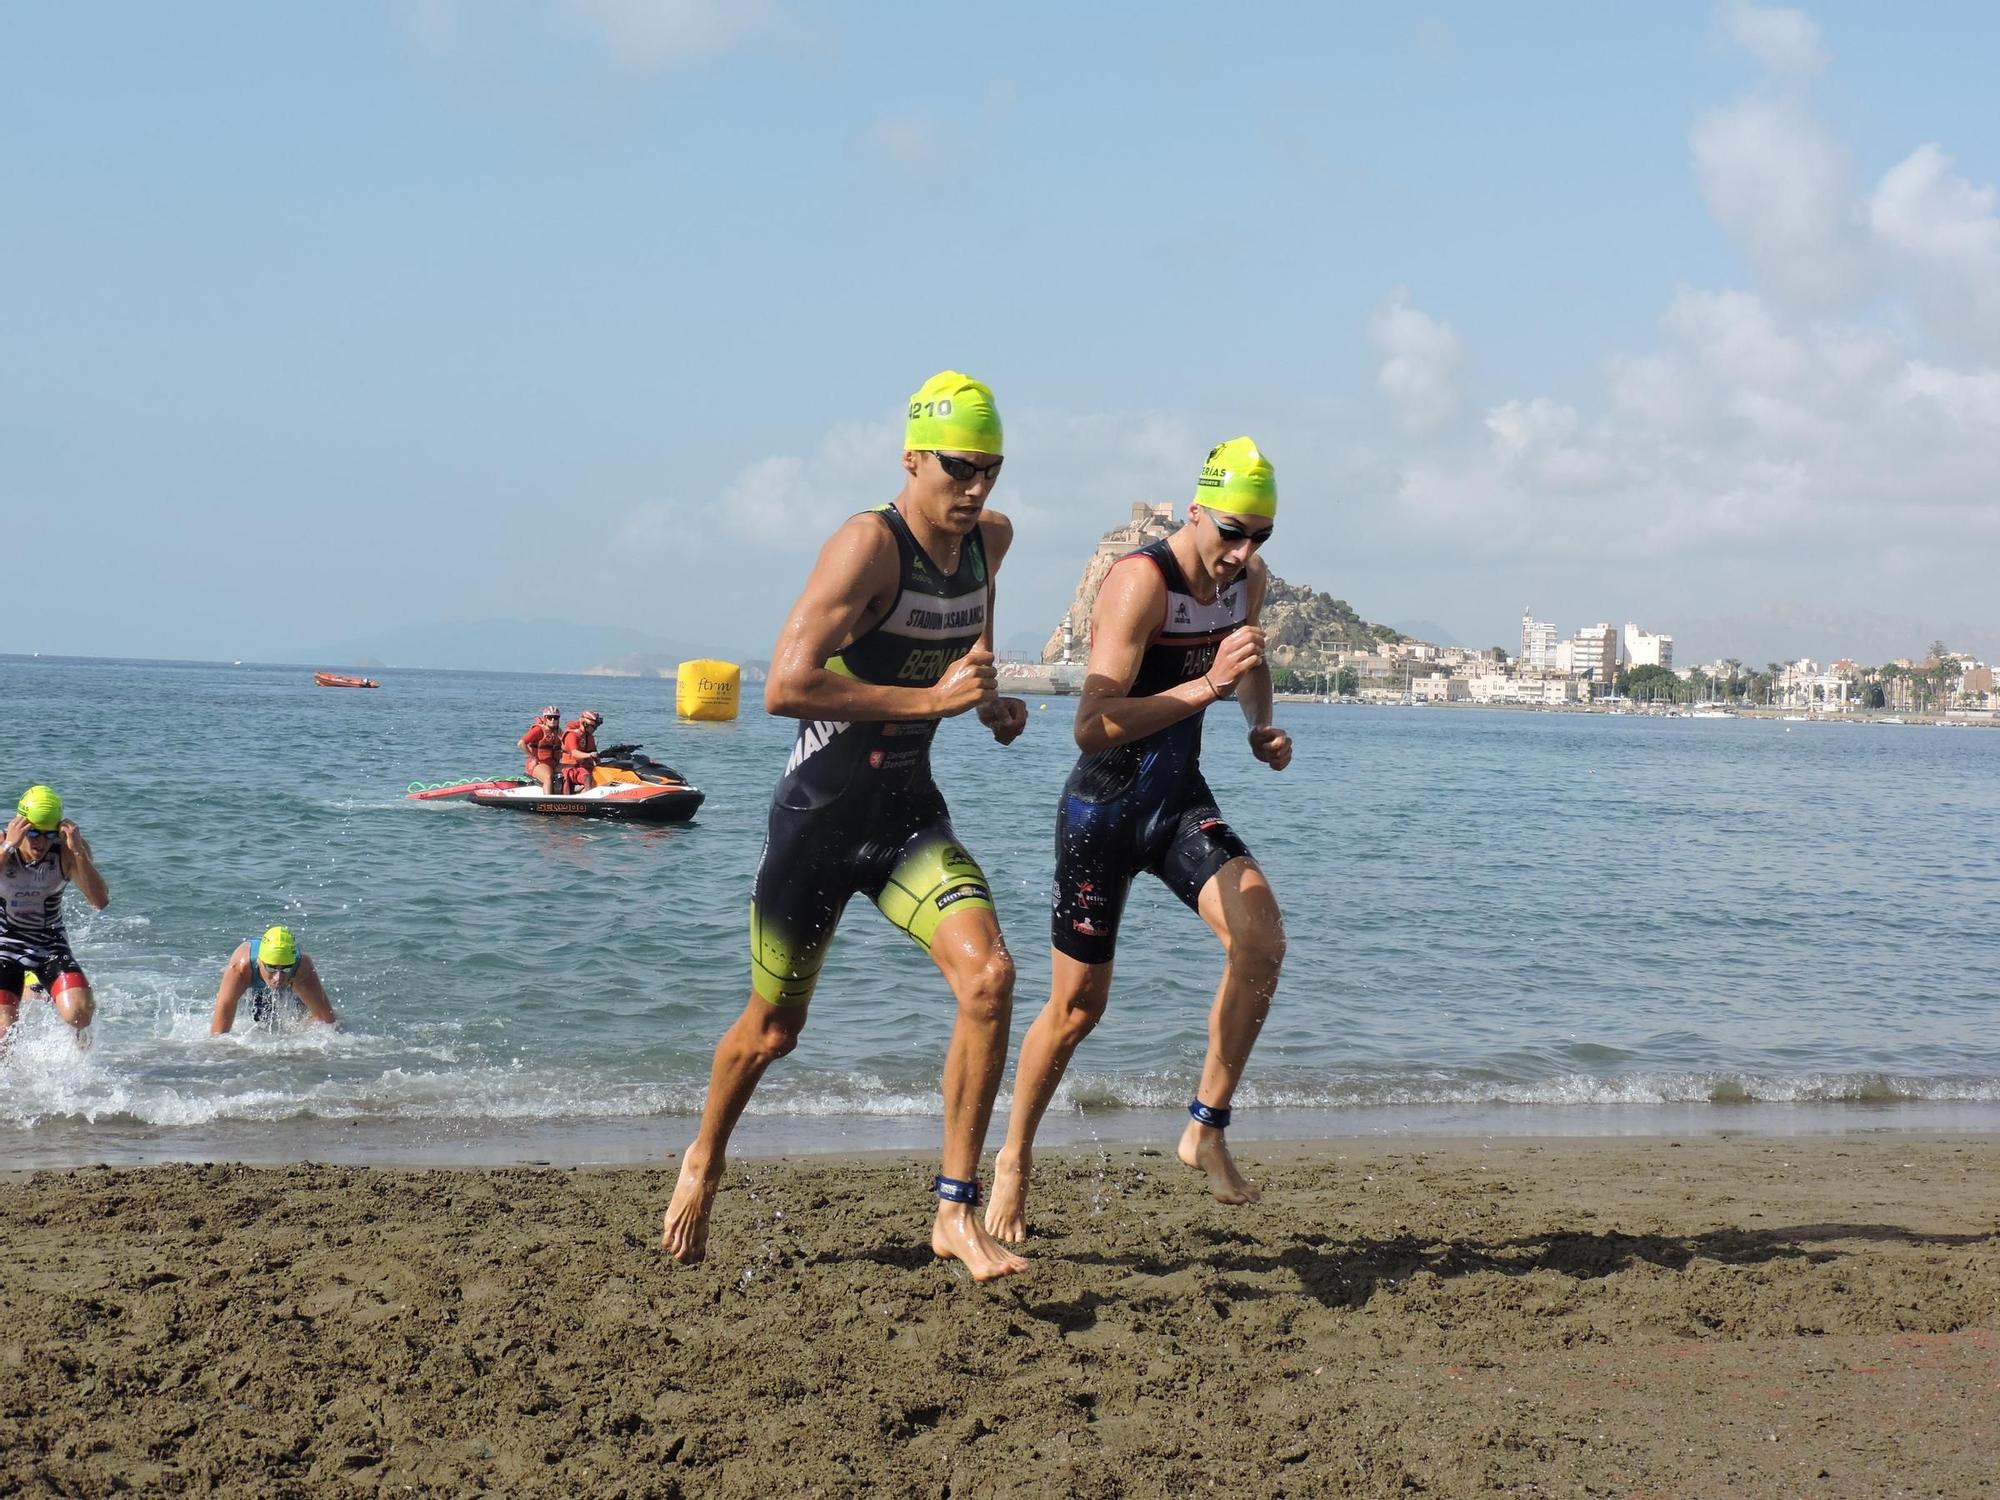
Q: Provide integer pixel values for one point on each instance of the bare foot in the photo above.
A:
(1006, 1211)
(957, 1235)
(685, 1233)
(1203, 1148)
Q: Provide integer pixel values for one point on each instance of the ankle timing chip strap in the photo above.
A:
(957, 1190)
(1217, 1119)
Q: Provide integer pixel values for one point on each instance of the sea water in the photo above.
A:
(1497, 920)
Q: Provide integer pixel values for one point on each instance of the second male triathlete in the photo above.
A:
(1174, 630)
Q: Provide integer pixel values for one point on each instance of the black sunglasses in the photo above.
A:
(964, 470)
(1229, 531)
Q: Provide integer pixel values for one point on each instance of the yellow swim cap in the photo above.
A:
(278, 948)
(41, 807)
(953, 412)
(1238, 481)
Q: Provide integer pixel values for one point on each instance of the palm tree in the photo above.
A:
(1771, 692)
(1735, 665)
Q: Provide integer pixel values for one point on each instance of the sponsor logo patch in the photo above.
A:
(960, 893)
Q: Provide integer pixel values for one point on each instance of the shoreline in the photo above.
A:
(1755, 1317)
(640, 1141)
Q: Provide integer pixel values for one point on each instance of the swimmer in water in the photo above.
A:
(280, 980)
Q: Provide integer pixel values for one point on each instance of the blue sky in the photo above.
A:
(327, 319)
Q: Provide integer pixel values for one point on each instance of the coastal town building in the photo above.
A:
(1538, 689)
(1436, 687)
(1645, 649)
(1594, 654)
(1538, 643)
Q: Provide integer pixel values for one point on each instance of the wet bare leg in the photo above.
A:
(78, 1007)
(9, 1014)
(1077, 995)
(973, 957)
(1238, 904)
(759, 1037)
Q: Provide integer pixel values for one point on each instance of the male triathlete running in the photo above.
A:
(282, 983)
(42, 852)
(893, 632)
(1175, 628)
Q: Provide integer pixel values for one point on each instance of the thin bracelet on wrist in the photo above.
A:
(1214, 692)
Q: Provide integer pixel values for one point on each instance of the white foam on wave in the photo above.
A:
(47, 1078)
(1721, 1087)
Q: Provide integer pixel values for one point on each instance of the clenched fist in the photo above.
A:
(970, 682)
(1272, 746)
(1241, 651)
(1006, 717)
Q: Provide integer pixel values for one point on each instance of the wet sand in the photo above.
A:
(1723, 1317)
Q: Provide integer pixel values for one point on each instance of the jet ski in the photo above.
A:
(625, 786)
(423, 791)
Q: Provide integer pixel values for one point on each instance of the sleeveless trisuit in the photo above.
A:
(1145, 806)
(856, 809)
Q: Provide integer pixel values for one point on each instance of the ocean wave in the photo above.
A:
(47, 1080)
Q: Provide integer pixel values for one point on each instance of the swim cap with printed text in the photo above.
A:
(1238, 481)
(953, 412)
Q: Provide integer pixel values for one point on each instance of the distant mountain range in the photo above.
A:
(1429, 631)
(1786, 632)
(509, 646)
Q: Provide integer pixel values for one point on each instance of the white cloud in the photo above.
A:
(1947, 230)
(1421, 359)
(660, 33)
(1783, 40)
(781, 502)
(1780, 185)
(914, 142)
(644, 35)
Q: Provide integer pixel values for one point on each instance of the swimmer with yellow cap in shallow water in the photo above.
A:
(278, 977)
(41, 853)
(1175, 629)
(892, 633)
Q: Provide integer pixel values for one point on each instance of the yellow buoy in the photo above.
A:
(708, 690)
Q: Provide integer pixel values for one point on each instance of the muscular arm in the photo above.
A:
(996, 533)
(79, 867)
(235, 980)
(311, 993)
(1006, 717)
(855, 579)
(1253, 688)
(1129, 606)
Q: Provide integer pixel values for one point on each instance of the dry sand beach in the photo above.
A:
(1627, 1318)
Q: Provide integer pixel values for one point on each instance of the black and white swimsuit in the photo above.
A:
(31, 924)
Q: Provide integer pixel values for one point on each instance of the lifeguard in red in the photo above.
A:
(542, 744)
(579, 750)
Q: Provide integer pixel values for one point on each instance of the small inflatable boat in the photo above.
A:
(626, 786)
(334, 679)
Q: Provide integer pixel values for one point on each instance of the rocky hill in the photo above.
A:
(1305, 627)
